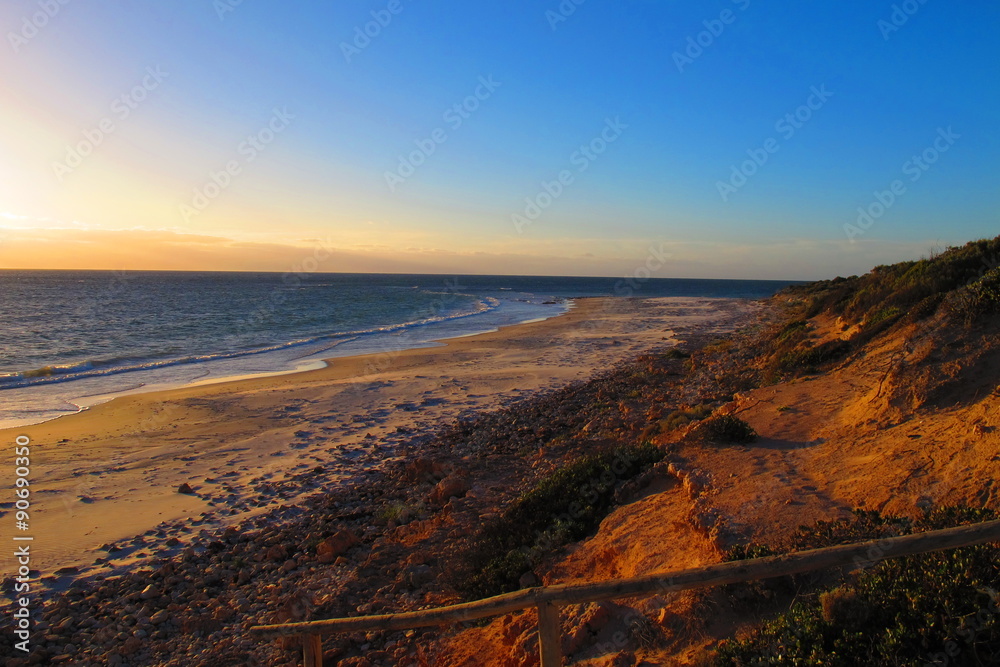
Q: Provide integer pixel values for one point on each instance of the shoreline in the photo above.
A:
(246, 446)
(213, 371)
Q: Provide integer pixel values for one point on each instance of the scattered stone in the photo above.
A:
(336, 545)
(186, 489)
(276, 553)
(453, 486)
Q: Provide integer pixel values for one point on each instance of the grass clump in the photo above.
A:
(679, 418)
(937, 608)
(565, 506)
(725, 429)
(977, 300)
(398, 512)
(809, 359)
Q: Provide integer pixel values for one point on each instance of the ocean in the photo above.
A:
(71, 339)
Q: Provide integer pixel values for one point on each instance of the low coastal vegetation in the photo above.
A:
(964, 280)
(562, 507)
(724, 429)
(941, 608)
(952, 294)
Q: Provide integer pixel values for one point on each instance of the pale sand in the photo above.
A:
(111, 473)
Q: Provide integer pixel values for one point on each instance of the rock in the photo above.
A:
(185, 488)
(597, 617)
(130, 646)
(276, 553)
(452, 486)
(425, 470)
(417, 575)
(159, 617)
(336, 545)
(68, 570)
(289, 565)
(149, 592)
(623, 659)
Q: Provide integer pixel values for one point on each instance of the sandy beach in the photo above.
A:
(105, 481)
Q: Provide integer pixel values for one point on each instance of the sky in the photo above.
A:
(713, 139)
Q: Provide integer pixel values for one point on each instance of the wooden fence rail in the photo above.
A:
(547, 600)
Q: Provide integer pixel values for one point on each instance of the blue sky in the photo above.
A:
(890, 88)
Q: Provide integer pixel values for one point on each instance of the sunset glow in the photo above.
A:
(224, 139)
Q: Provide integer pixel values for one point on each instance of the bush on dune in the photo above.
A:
(566, 505)
(724, 429)
(888, 292)
(938, 608)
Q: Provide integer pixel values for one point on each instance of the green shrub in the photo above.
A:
(978, 299)
(808, 359)
(565, 506)
(794, 330)
(725, 429)
(890, 314)
(912, 289)
(903, 611)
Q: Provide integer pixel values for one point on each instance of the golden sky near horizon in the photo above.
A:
(116, 121)
(78, 247)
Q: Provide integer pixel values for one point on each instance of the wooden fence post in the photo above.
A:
(312, 650)
(549, 635)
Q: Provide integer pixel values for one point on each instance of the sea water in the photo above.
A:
(71, 339)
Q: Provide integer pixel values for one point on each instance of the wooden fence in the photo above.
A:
(548, 599)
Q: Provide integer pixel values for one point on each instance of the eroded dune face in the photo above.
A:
(899, 422)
